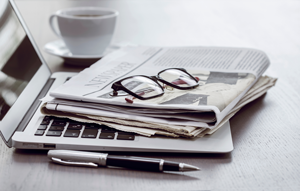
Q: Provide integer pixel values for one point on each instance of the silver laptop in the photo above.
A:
(25, 79)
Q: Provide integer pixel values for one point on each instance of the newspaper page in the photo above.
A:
(151, 128)
(225, 75)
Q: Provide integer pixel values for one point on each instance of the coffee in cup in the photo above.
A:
(85, 30)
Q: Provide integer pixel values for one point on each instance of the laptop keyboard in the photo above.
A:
(59, 127)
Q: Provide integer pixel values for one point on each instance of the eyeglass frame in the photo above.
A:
(117, 86)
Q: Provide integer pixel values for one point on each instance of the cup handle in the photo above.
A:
(51, 22)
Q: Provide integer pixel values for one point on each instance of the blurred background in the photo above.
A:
(237, 23)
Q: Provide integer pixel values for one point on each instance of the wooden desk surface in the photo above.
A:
(266, 133)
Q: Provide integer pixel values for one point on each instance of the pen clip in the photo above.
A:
(74, 163)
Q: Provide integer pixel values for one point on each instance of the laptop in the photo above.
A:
(25, 78)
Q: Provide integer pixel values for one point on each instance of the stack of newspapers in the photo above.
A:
(229, 78)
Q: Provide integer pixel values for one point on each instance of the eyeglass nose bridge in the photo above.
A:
(155, 78)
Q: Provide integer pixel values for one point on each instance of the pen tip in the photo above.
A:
(187, 167)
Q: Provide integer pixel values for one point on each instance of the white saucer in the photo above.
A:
(58, 48)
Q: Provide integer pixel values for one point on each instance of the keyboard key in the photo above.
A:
(59, 119)
(56, 128)
(125, 133)
(39, 132)
(75, 122)
(71, 133)
(42, 127)
(125, 136)
(59, 123)
(46, 121)
(103, 126)
(75, 126)
(107, 135)
(107, 129)
(90, 133)
(54, 133)
(92, 126)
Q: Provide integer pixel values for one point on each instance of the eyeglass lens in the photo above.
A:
(178, 78)
(142, 86)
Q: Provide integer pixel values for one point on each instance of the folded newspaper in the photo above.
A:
(228, 78)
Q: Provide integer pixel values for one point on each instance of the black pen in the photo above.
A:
(93, 159)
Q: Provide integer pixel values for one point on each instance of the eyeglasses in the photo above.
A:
(147, 87)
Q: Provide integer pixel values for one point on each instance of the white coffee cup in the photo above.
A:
(85, 30)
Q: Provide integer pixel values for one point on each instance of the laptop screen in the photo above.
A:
(22, 72)
(17, 56)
